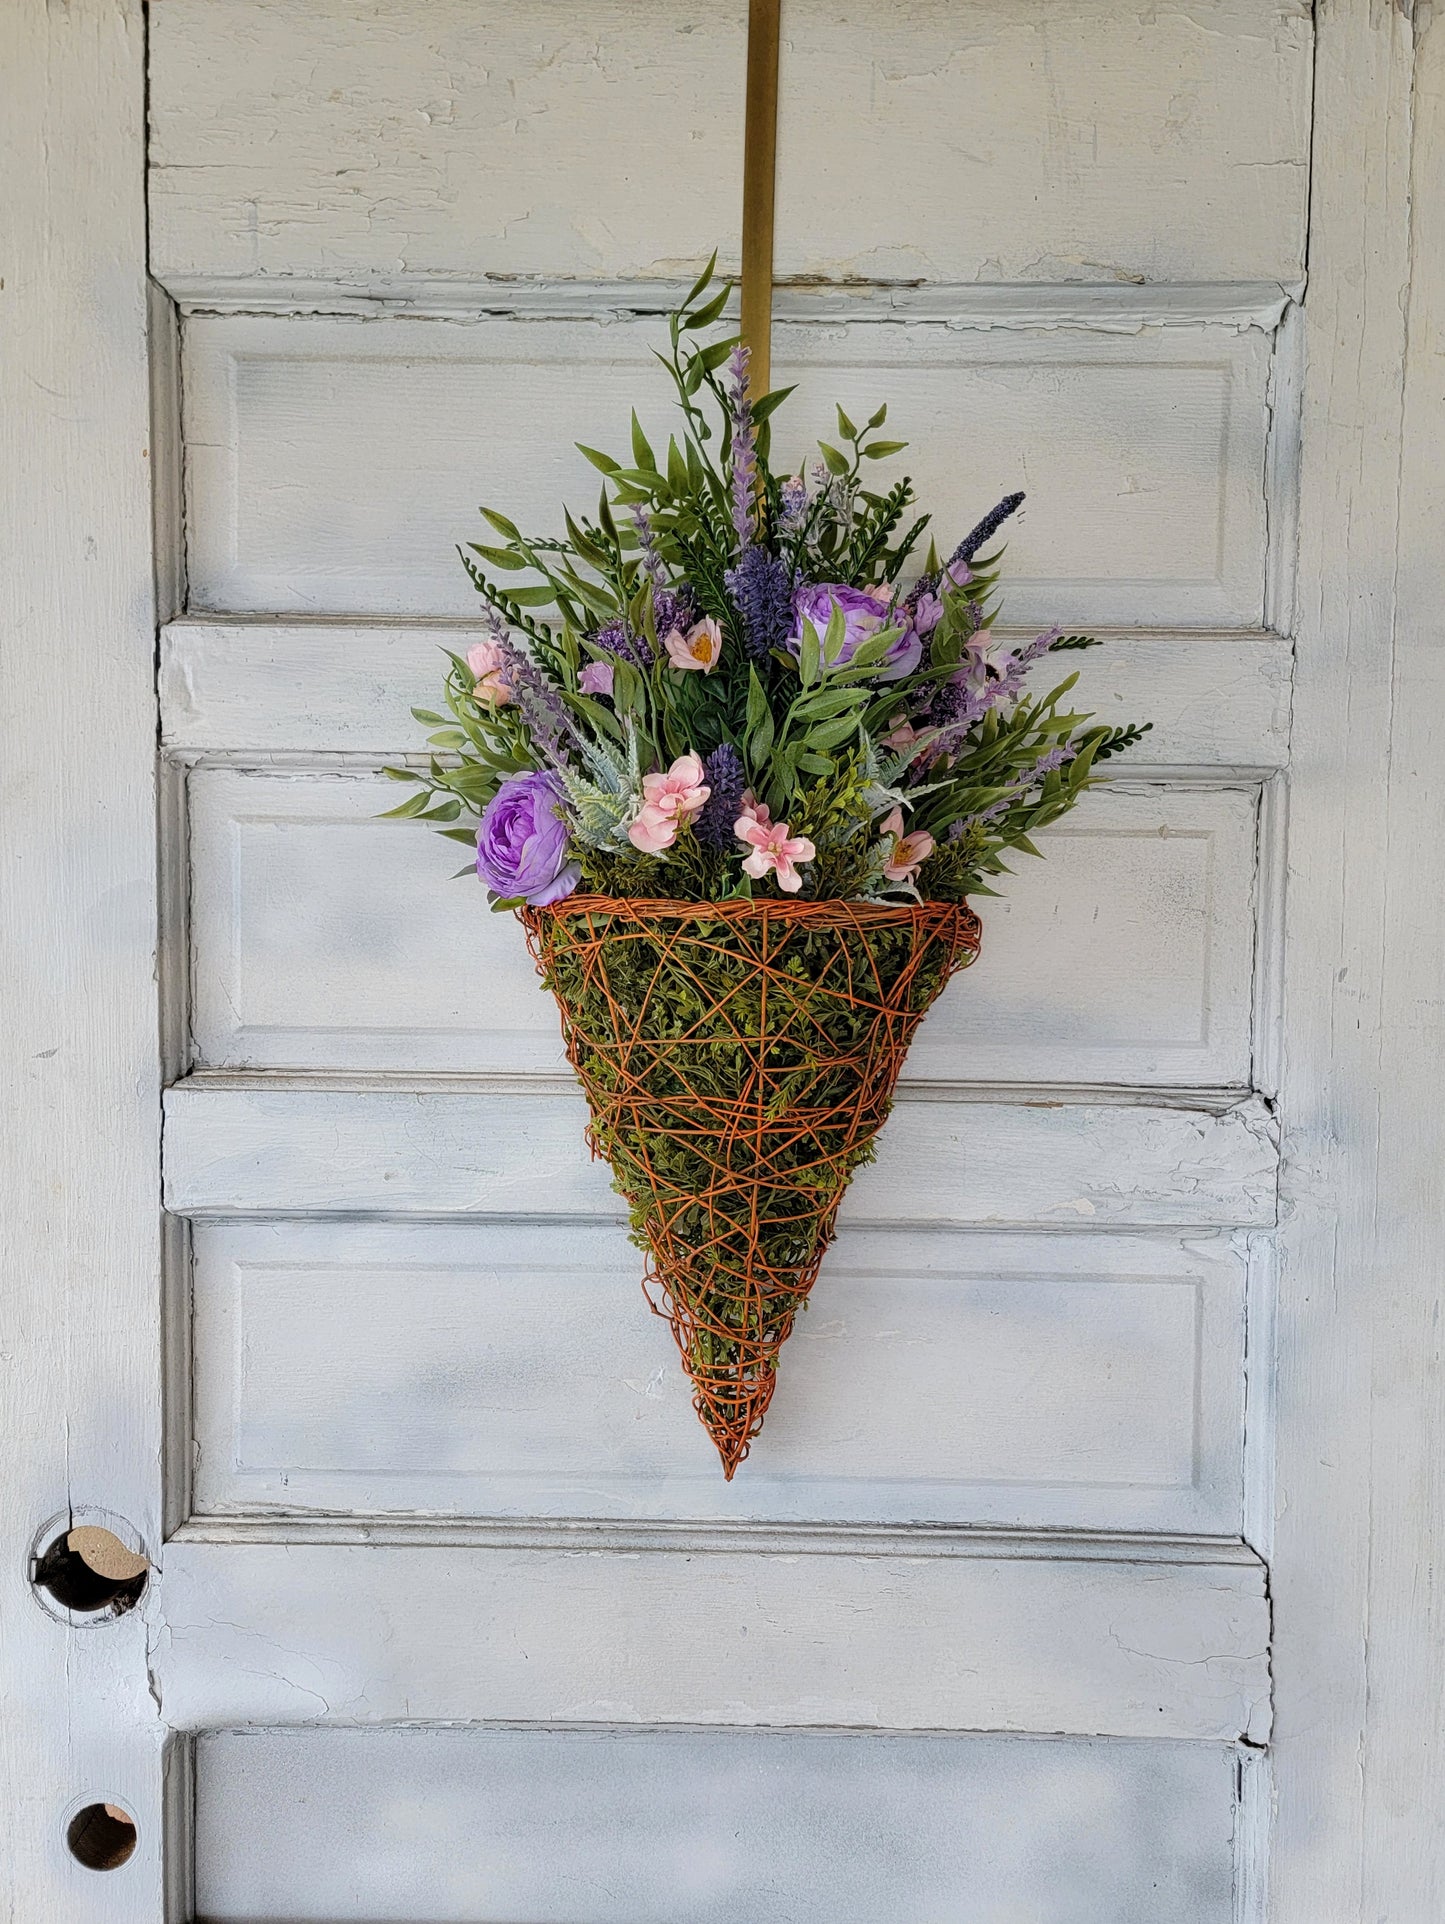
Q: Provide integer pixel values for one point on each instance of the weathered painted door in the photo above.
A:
(1115, 1600)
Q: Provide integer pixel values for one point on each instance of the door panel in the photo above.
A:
(646, 1828)
(1126, 959)
(510, 1370)
(317, 687)
(1028, 141)
(298, 428)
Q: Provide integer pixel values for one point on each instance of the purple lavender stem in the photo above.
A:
(744, 450)
(538, 702)
(970, 544)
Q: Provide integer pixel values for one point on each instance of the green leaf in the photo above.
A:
(757, 699)
(831, 701)
(702, 280)
(706, 315)
(401, 774)
(642, 454)
(502, 525)
(770, 403)
(880, 450)
(877, 420)
(413, 805)
(586, 549)
(832, 734)
(846, 427)
(539, 597)
(502, 558)
(599, 460)
(760, 742)
(810, 654)
(836, 635)
(835, 462)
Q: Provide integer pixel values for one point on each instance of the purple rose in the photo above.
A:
(596, 678)
(863, 615)
(522, 842)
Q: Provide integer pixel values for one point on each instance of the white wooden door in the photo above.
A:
(1118, 1601)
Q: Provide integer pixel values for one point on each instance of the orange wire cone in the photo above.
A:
(739, 1058)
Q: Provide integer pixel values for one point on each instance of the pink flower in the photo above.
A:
(901, 735)
(754, 814)
(668, 801)
(773, 848)
(700, 647)
(596, 678)
(488, 662)
(908, 853)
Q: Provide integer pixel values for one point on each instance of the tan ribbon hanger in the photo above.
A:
(760, 145)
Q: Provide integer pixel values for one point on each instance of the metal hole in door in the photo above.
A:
(87, 1570)
(101, 1836)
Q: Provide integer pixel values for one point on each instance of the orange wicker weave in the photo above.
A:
(739, 1058)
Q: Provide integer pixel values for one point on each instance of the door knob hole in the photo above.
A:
(88, 1570)
(102, 1836)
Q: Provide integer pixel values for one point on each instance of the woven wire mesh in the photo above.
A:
(738, 1059)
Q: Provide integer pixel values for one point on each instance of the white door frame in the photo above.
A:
(1357, 1400)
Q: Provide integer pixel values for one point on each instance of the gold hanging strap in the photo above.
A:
(760, 144)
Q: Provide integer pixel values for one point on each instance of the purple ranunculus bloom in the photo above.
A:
(863, 615)
(522, 841)
(596, 678)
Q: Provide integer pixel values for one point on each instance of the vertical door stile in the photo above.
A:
(79, 1153)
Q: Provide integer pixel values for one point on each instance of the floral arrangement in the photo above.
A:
(738, 774)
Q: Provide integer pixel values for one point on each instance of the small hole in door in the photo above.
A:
(102, 1836)
(89, 1570)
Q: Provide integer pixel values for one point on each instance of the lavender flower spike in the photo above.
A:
(539, 704)
(647, 543)
(744, 447)
(990, 525)
(970, 544)
(618, 639)
(725, 778)
(762, 592)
